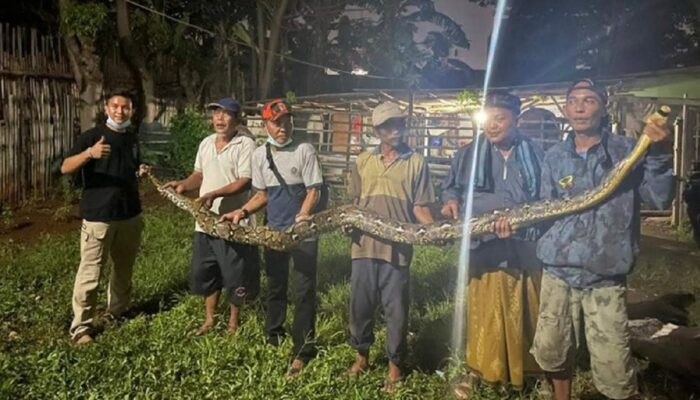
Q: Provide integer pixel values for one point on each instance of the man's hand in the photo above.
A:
(100, 149)
(207, 199)
(234, 216)
(450, 209)
(144, 169)
(176, 185)
(657, 130)
(502, 228)
(302, 218)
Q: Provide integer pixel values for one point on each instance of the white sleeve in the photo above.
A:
(245, 159)
(311, 172)
(257, 170)
(198, 158)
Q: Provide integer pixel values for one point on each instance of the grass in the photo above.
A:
(152, 356)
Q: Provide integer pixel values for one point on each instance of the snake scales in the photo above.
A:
(436, 233)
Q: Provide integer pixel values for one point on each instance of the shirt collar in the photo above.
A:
(236, 139)
(404, 150)
(571, 141)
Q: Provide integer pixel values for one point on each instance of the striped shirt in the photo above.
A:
(391, 191)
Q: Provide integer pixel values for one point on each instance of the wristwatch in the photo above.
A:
(245, 213)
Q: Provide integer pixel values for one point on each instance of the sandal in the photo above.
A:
(464, 388)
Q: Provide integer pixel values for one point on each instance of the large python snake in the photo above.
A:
(437, 233)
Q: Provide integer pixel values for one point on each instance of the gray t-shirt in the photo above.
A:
(298, 165)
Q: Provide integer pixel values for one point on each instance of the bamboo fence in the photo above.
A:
(38, 112)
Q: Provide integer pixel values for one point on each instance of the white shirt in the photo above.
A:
(221, 168)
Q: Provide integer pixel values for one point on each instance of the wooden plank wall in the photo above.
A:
(38, 112)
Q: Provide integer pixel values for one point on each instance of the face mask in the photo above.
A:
(275, 143)
(117, 126)
(278, 144)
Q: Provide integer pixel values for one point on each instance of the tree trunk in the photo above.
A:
(259, 62)
(85, 65)
(271, 58)
(136, 62)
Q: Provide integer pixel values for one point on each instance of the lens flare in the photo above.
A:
(459, 333)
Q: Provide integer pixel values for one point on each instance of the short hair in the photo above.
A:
(124, 94)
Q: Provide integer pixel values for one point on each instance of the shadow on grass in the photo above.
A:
(431, 349)
(333, 270)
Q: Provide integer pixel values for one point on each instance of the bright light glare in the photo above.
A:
(359, 71)
(480, 117)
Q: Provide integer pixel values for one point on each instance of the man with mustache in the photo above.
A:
(222, 173)
(588, 256)
(394, 182)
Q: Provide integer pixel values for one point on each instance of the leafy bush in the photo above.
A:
(85, 19)
(187, 130)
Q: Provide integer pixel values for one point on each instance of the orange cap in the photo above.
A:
(274, 109)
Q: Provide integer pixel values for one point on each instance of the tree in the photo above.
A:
(80, 26)
(557, 41)
(381, 42)
(137, 62)
(441, 71)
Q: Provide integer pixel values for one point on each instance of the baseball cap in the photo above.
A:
(385, 112)
(274, 109)
(589, 84)
(227, 103)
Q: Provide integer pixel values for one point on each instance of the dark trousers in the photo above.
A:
(374, 281)
(303, 327)
(218, 264)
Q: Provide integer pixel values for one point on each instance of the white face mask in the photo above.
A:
(117, 126)
(278, 144)
(275, 143)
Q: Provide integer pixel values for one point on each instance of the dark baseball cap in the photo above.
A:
(227, 104)
(589, 84)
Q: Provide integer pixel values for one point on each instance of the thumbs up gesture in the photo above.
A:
(100, 149)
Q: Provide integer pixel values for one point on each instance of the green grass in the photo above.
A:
(151, 355)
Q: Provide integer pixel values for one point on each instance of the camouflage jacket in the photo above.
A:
(599, 245)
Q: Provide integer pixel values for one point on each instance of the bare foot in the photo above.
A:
(360, 366)
(233, 319)
(295, 369)
(232, 328)
(204, 328)
(393, 378)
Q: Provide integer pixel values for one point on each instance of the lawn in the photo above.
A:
(152, 355)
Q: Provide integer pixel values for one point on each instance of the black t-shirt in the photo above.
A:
(110, 185)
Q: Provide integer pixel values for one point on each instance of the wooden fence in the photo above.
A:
(38, 112)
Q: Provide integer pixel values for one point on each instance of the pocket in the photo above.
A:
(94, 230)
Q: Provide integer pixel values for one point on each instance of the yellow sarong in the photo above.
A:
(501, 320)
